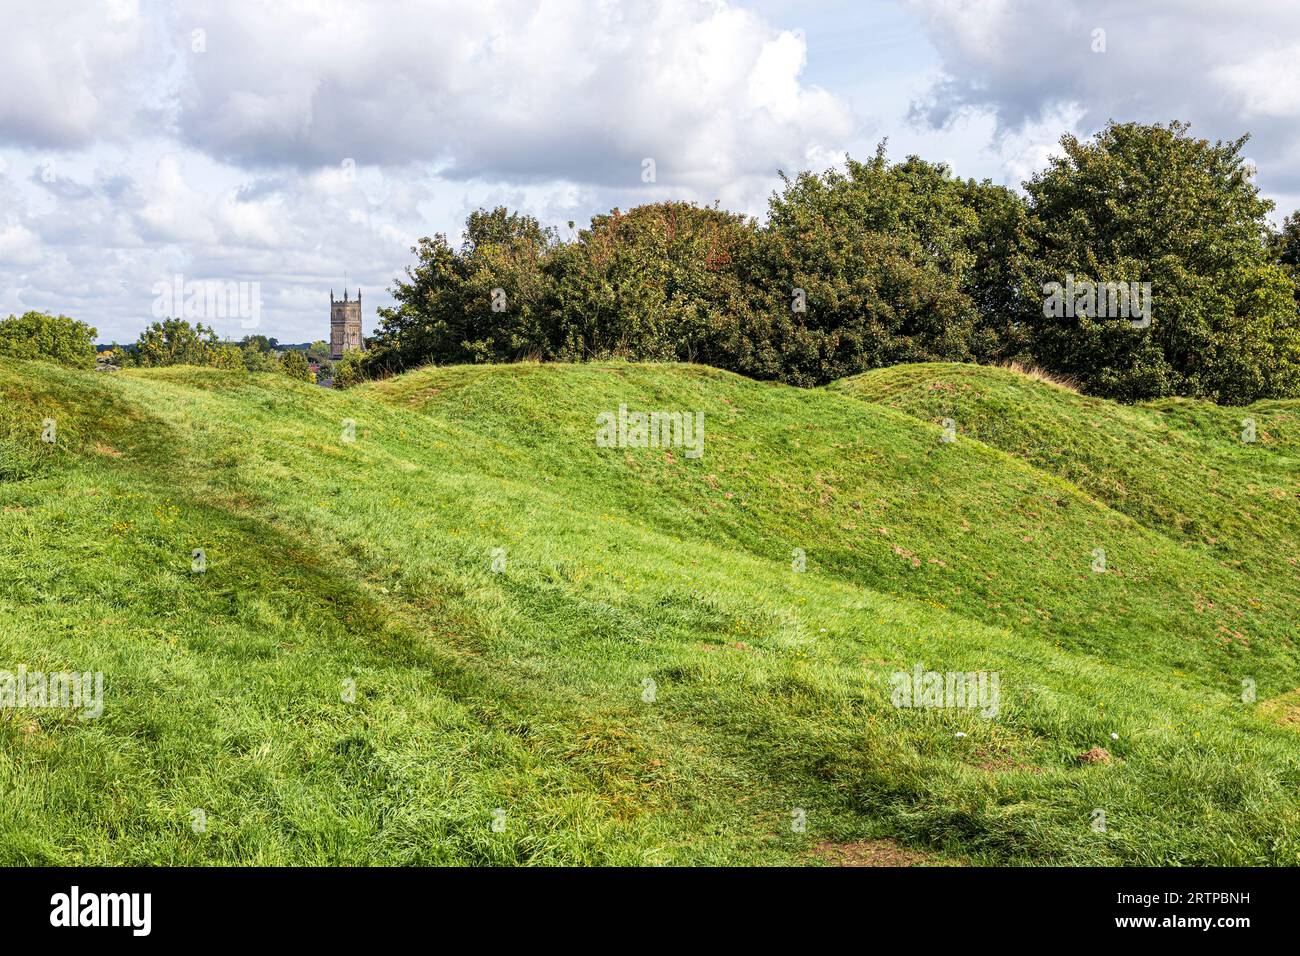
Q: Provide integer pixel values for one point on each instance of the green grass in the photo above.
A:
(371, 561)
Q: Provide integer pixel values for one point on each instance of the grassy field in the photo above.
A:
(458, 631)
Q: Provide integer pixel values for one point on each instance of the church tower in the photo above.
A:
(345, 324)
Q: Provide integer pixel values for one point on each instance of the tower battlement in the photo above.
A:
(345, 324)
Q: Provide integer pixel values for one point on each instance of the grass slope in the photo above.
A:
(523, 694)
(1179, 467)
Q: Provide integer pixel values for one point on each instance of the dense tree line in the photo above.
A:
(880, 263)
(57, 338)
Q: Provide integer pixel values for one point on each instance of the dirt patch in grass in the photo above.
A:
(1283, 709)
(874, 853)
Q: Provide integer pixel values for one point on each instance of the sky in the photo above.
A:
(283, 148)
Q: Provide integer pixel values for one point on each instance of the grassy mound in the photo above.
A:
(440, 624)
(1224, 482)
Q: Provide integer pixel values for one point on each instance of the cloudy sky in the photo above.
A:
(290, 143)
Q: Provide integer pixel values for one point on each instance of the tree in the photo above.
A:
(1286, 247)
(476, 304)
(349, 370)
(54, 338)
(659, 282)
(999, 282)
(1151, 204)
(885, 263)
(294, 364)
(318, 353)
(176, 342)
(255, 359)
(1286, 242)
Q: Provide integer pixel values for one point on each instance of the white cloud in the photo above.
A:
(71, 72)
(507, 89)
(19, 246)
(1028, 63)
(174, 211)
(1265, 85)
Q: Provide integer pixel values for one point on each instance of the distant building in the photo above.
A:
(345, 324)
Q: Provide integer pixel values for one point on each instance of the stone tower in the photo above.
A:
(345, 324)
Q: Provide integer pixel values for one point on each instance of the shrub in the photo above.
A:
(294, 364)
(176, 342)
(53, 338)
(1153, 204)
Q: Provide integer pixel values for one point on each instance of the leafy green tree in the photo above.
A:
(259, 343)
(657, 283)
(1000, 280)
(349, 370)
(479, 303)
(886, 263)
(294, 365)
(176, 342)
(1286, 242)
(255, 359)
(54, 338)
(1286, 247)
(318, 352)
(1153, 204)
